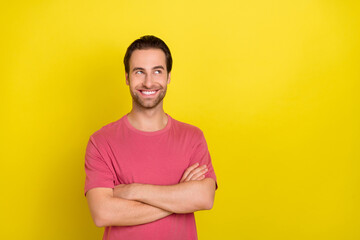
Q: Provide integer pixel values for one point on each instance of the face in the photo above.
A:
(147, 78)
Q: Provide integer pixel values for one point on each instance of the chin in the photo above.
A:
(149, 105)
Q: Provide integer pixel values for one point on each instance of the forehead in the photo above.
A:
(147, 58)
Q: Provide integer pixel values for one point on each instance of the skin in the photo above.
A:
(147, 72)
(107, 208)
(187, 196)
(133, 204)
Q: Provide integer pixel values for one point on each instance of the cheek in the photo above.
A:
(135, 80)
(132, 86)
(160, 78)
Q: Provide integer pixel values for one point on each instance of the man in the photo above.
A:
(147, 173)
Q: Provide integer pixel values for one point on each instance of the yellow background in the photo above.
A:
(274, 85)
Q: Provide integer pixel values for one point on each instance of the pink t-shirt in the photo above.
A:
(118, 153)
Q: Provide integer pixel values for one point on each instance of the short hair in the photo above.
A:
(148, 42)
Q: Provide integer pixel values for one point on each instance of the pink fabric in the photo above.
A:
(118, 153)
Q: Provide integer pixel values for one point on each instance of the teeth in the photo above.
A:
(148, 92)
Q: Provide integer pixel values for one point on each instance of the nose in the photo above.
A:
(147, 81)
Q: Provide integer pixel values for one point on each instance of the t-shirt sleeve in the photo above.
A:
(201, 155)
(98, 173)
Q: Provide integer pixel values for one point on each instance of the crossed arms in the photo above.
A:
(134, 204)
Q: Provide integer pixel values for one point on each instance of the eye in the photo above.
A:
(157, 71)
(139, 72)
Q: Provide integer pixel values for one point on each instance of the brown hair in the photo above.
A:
(147, 42)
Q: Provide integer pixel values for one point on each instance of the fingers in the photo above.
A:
(200, 174)
(196, 173)
(188, 170)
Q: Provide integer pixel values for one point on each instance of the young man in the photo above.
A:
(147, 173)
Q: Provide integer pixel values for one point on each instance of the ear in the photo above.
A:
(169, 77)
(127, 78)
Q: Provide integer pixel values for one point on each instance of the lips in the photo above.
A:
(148, 92)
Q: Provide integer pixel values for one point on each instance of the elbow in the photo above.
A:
(99, 201)
(207, 197)
(101, 218)
(204, 202)
(208, 203)
(99, 224)
(196, 204)
(99, 221)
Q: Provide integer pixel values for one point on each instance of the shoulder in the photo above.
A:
(188, 129)
(107, 130)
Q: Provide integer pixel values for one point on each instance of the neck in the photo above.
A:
(148, 120)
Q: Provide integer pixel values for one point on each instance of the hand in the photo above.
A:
(125, 191)
(194, 172)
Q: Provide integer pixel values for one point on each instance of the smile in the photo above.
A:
(147, 92)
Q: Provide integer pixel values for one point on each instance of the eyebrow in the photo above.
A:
(160, 66)
(142, 69)
(137, 68)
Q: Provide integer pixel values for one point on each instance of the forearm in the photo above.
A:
(112, 211)
(184, 197)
